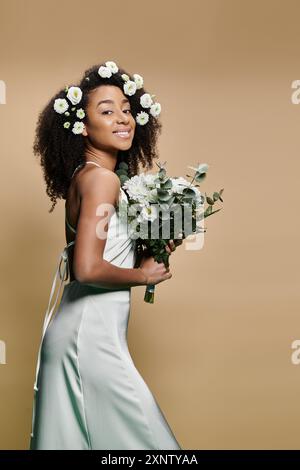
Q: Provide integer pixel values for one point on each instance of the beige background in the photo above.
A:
(215, 348)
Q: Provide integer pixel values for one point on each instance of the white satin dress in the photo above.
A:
(88, 393)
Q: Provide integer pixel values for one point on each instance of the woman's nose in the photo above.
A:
(122, 116)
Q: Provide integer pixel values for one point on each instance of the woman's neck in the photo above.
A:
(106, 160)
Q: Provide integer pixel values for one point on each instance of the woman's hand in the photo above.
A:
(171, 246)
(154, 272)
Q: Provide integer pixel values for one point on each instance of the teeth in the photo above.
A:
(122, 133)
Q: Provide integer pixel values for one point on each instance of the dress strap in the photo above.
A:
(82, 164)
(63, 275)
(97, 164)
(69, 225)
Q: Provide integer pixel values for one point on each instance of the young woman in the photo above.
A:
(88, 393)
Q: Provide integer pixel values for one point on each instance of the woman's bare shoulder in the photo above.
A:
(96, 180)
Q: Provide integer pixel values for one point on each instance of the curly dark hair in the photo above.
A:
(60, 150)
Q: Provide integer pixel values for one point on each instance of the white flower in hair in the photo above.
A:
(146, 100)
(80, 113)
(155, 109)
(74, 94)
(142, 118)
(138, 80)
(60, 105)
(104, 72)
(112, 66)
(78, 127)
(67, 124)
(125, 77)
(129, 87)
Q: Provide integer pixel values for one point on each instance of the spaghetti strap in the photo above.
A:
(97, 164)
(69, 225)
(82, 164)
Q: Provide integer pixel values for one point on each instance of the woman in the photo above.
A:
(88, 393)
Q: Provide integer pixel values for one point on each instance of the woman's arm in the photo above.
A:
(99, 191)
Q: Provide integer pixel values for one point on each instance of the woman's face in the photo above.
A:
(109, 111)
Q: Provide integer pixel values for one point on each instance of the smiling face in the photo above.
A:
(108, 111)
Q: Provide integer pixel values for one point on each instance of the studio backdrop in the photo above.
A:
(219, 346)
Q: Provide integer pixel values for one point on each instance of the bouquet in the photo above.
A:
(160, 208)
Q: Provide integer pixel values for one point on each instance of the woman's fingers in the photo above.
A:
(168, 249)
(170, 246)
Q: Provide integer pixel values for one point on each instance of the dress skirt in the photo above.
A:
(90, 394)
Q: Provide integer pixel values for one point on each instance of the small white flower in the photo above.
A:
(148, 213)
(67, 125)
(136, 188)
(78, 127)
(60, 105)
(112, 66)
(80, 113)
(67, 113)
(142, 118)
(155, 109)
(146, 100)
(125, 77)
(74, 94)
(104, 72)
(129, 87)
(149, 179)
(138, 80)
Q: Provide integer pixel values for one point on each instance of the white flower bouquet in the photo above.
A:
(160, 208)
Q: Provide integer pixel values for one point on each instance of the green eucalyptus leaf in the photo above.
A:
(199, 177)
(162, 173)
(208, 211)
(211, 213)
(121, 171)
(189, 192)
(163, 196)
(123, 178)
(123, 165)
(209, 200)
(166, 184)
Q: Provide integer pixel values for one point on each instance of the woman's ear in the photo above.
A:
(84, 132)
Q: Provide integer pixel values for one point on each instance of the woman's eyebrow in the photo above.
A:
(124, 100)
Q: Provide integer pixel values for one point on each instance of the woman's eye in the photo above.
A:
(109, 111)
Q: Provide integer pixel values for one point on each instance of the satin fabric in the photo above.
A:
(88, 393)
